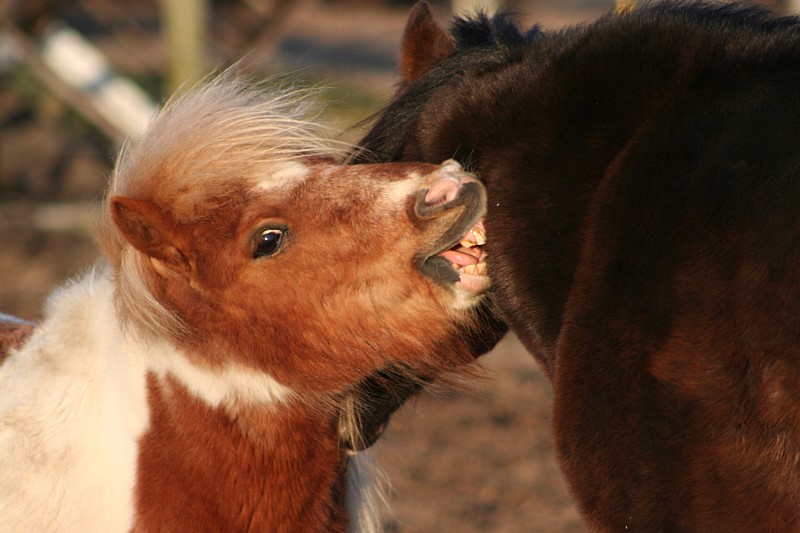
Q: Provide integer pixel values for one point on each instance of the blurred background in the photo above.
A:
(77, 76)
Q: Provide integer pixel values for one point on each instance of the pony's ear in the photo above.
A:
(424, 43)
(150, 231)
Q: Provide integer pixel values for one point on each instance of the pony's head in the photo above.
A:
(233, 234)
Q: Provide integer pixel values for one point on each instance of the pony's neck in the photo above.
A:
(273, 468)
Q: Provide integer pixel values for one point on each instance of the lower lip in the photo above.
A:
(473, 283)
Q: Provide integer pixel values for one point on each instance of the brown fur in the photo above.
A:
(261, 461)
(644, 196)
(344, 254)
(280, 466)
(12, 336)
(423, 43)
(343, 297)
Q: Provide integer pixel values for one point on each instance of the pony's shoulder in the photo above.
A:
(60, 406)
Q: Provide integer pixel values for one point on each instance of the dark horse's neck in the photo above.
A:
(277, 468)
(543, 123)
(545, 158)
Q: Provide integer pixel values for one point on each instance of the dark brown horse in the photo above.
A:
(643, 229)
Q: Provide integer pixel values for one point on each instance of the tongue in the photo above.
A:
(460, 258)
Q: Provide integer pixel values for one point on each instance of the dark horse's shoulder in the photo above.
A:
(13, 334)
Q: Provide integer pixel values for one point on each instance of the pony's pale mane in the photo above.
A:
(215, 139)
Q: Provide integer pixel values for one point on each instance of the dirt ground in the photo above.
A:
(478, 460)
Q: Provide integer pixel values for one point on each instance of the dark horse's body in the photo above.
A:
(644, 243)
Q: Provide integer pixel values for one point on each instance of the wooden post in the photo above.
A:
(184, 23)
(76, 71)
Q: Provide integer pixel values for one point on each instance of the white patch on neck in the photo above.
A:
(226, 386)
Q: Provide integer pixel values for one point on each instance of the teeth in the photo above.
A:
(475, 237)
(480, 235)
(479, 269)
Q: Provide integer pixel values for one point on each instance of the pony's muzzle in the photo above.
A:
(447, 187)
(450, 207)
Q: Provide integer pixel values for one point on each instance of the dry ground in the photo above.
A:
(479, 461)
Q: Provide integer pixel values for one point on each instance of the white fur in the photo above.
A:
(227, 386)
(465, 299)
(398, 192)
(73, 405)
(283, 174)
(365, 494)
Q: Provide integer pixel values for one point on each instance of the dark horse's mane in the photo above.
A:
(500, 32)
(483, 43)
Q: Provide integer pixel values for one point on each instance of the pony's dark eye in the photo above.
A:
(267, 241)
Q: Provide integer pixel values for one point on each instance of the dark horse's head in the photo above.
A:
(431, 61)
(435, 65)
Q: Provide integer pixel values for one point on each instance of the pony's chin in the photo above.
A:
(473, 283)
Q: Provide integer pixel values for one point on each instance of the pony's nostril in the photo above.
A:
(442, 191)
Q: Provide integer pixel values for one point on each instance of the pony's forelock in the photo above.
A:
(224, 135)
(220, 132)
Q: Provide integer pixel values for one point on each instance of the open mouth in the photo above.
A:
(462, 264)
(456, 203)
(468, 259)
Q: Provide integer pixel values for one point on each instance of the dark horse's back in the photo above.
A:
(644, 241)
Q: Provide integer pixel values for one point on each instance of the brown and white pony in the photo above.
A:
(194, 380)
